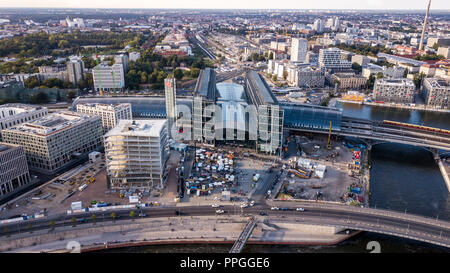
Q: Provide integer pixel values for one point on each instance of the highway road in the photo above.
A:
(385, 222)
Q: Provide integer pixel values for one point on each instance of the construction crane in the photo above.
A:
(329, 138)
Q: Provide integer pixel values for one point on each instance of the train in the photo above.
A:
(415, 126)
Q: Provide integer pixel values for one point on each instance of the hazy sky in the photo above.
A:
(232, 4)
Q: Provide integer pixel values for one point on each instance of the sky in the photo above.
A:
(232, 4)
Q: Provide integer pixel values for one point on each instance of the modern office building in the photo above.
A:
(136, 154)
(269, 113)
(53, 141)
(330, 58)
(349, 80)
(436, 92)
(204, 99)
(109, 113)
(75, 70)
(318, 26)
(170, 87)
(13, 114)
(299, 47)
(394, 90)
(14, 174)
(108, 78)
(360, 59)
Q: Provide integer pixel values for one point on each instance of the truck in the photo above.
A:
(256, 177)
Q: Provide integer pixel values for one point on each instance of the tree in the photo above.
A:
(39, 98)
(274, 78)
(93, 217)
(178, 74)
(285, 74)
(357, 67)
(379, 75)
(74, 221)
(195, 72)
(31, 82)
(132, 214)
(52, 225)
(418, 78)
(71, 95)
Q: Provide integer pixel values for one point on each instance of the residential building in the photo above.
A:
(299, 47)
(309, 77)
(444, 51)
(53, 141)
(360, 59)
(109, 113)
(436, 92)
(134, 56)
(349, 80)
(13, 114)
(14, 174)
(122, 59)
(136, 153)
(394, 90)
(75, 70)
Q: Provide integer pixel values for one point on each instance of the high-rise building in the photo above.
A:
(108, 78)
(75, 70)
(318, 26)
(53, 141)
(394, 90)
(436, 92)
(122, 59)
(330, 58)
(170, 85)
(110, 113)
(299, 48)
(136, 153)
(13, 114)
(203, 99)
(14, 174)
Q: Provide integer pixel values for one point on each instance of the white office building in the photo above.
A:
(14, 174)
(136, 154)
(53, 141)
(299, 47)
(108, 78)
(110, 113)
(14, 114)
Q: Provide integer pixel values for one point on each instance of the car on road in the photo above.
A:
(252, 203)
(284, 209)
(142, 214)
(244, 205)
(215, 205)
(274, 208)
(262, 213)
(300, 209)
(220, 211)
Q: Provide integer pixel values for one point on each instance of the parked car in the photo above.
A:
(300, 209)
(262, 213)
(215, 205)
(274, 208)
(220, 211)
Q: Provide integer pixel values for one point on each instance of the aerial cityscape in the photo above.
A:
(219, 128)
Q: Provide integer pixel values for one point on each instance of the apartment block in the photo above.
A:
(53, 141)
(108, 78)
(350, 80)
(299, 47)
(110, 113)
(436, 92)
(14, 174)
(75, 70)
(330, 58)
(309, 77)
(13, 114)
(394, 90)
(136, 154)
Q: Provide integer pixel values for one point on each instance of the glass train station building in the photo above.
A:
(248, 114)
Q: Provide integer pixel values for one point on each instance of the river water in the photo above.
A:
(402, 178)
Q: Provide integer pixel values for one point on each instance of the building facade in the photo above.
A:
(75, 70)
(109, 113)
(53, 141)
(349, 80)
(108, 78)
(170, 88)
(309, 77)
(136, 154)
(14, 114)
(436, 92)
(394, 90)
(330, 58)
(299, 48)
(14, 174)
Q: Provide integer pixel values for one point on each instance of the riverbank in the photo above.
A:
(421, 107)
(185, 230)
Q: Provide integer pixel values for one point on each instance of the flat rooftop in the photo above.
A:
(51, 123)
(104, 105)
(148, 128)
(10, 109)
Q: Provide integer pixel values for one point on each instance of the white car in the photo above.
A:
(244, 205)
(215, 205)
(274, 208)
(220, 211)
(252, 203)
(300, 209)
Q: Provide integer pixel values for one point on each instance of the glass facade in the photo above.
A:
(310, 117)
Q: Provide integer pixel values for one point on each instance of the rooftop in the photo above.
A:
(258, 89)
(147, 128)
(11, 109)
(206, 84)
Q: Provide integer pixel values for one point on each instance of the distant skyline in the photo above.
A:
(231, 4)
